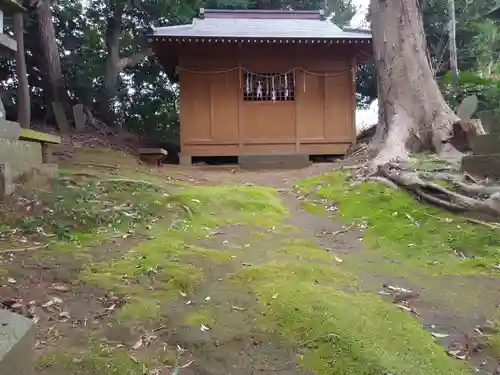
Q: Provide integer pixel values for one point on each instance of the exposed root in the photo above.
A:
(440, 196)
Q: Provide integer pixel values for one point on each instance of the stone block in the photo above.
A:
(6, 182)
(484, 166)
(22, 156)
(185, 160)
(293, 161)
(9, 129)
(487, 144)
(17, 344)
(79, 117)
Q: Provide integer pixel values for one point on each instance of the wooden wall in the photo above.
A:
(215, 121)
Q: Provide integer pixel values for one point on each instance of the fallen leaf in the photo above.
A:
(204, 328)
(138, 344)
(459, 354)
(64, 315)
(60, 287)
(439, 335)
(237, 308)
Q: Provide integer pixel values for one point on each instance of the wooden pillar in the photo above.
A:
(296, 97)
(240, 99)
(354, 132)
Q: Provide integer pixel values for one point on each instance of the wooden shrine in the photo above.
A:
(263, 82)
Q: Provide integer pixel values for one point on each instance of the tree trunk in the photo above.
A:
(111, 78)
(413, 115)
(115, 63)
(52, 61)
(23, 105)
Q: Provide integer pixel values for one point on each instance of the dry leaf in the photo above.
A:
(138, 344)
(439, 335)
(60, 287)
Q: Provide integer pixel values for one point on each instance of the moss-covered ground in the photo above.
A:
(227, 273)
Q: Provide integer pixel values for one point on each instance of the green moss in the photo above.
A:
(97, 359)
(405, 229)
(341, 333)
(304, 249)
(202, 316)
(157, 270)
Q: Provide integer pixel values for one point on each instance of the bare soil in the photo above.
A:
(234, 344)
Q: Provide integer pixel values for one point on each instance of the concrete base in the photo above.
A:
(17, 344)
(484, 166)
(293, 161)
(185, 160)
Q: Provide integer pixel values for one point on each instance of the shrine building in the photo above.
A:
(263, 82)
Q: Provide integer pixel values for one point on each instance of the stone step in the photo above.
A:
(484, 166)
(285, 161)
(487, 144)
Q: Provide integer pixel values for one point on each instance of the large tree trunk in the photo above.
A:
(413, 115)
(23, 101)
(52, 61)
(115, 63)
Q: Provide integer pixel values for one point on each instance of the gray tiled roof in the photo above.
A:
(259, 28)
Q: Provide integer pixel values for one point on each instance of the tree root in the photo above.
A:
(443, 197)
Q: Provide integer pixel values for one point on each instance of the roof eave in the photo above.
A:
(363, 39)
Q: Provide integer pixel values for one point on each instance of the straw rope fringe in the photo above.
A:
(263, 76)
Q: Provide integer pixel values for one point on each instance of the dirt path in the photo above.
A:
(451, 304)
(246, 298)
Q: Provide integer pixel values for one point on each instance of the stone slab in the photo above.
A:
(153, 151)
(34, 136)
(79, 117)
(17, 344)
(293, 161)
(484, 166)
(487, 144)
(22, 156)
(9, 129)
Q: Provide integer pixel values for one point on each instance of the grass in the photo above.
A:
(338, 332)
(404, 229)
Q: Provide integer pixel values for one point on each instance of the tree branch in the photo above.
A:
(133, 60)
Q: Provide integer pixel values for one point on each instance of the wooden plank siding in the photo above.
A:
(216, 121)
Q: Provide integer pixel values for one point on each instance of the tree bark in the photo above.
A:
(115, 63)
(413, 115)
(52, 61)
(23, 105)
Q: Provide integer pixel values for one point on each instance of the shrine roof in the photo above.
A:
(261, 24)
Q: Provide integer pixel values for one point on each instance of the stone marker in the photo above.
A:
(9, 129)
(6, 182)
(61, 119)
(485, 159)
(79, 117)
(17, 344)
